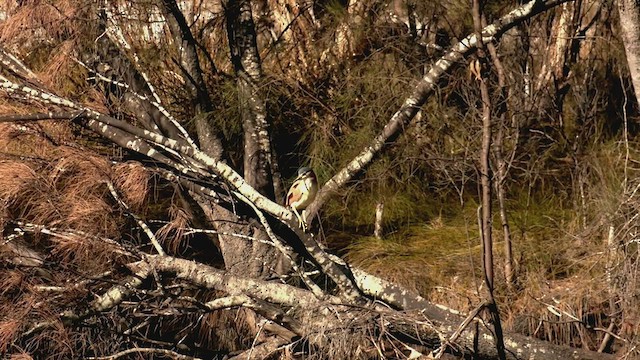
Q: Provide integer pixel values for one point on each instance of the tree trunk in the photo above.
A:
(259, 167)
(502, 165)
(255, 256)
(629, 11)
(377, 226)
(486, 179)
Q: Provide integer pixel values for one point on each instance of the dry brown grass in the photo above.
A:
(7, 107)
(47, 183)
(37, 140)
(49, 179)
(95, 100)
(15, 308)
(21, 356)
(560, 311)
(10, 281)
(172, 233)
(40, 19)
(132, 181)
(14, 176)
(59, 70)
(69, 192)
(8, 331)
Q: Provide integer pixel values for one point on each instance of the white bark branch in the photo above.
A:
(212, 278)
(110, 127)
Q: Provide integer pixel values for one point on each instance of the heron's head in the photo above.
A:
(305, 171)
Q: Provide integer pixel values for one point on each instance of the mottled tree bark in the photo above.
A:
(259, 166)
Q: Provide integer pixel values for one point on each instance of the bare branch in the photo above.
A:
(212, 278)
(70, 235)
(8, 61)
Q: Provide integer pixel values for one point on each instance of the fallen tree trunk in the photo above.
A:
(476, 339)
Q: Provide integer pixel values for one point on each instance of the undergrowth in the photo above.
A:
(560, 292)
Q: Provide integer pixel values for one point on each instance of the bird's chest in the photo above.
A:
(309, 190)
(302, 193)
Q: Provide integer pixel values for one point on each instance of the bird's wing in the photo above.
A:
(293, 193)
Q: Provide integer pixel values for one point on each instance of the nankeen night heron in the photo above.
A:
(302, 193)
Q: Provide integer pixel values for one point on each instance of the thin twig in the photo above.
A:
(68, 234)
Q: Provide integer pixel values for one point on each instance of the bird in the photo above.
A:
(302, 193)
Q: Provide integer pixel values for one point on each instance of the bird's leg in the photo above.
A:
(303, 216)
(300, 221)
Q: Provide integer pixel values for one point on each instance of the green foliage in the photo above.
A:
(420, 256)
(541, 227)
(335, 8)
(227, 116)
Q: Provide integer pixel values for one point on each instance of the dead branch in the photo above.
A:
(212, 278)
